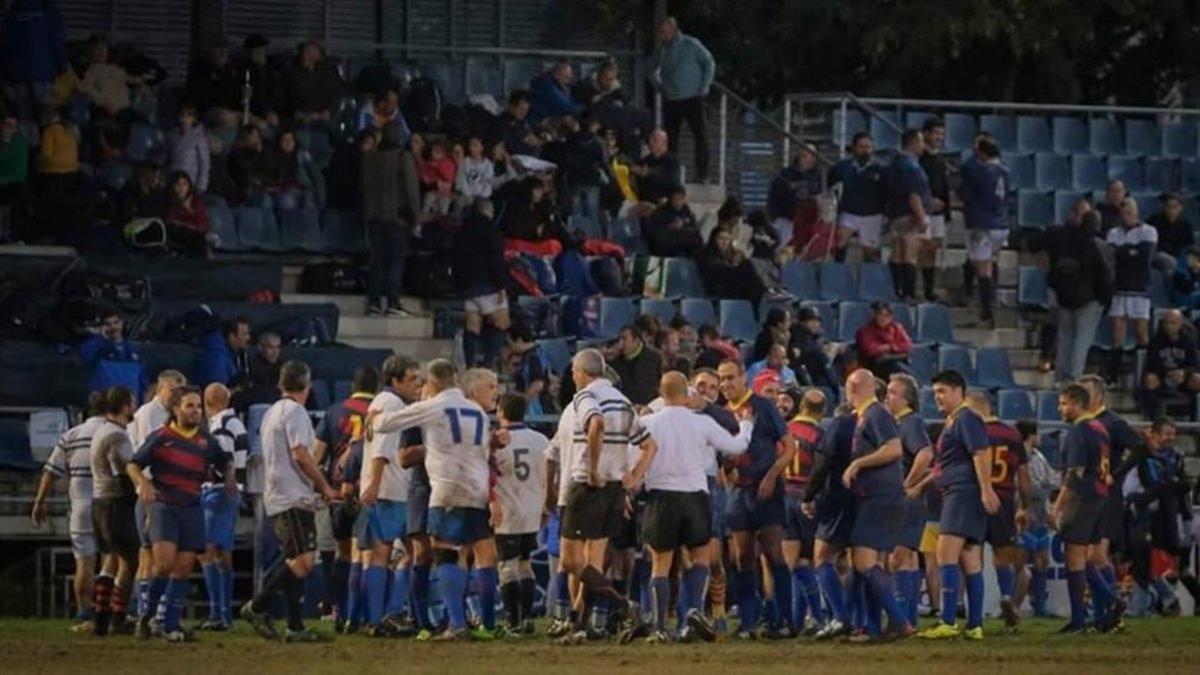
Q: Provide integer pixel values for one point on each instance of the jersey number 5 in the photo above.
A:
(456, 425)
(520, 464)
(999, 464)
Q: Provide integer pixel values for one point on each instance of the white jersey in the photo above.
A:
(72, 459)
(231, 435)
(622, 428)
(395, 481)
(286, 425)
(110, 453)
(148, 419)
(686, 442)
(454, 430)
(521, 480)
(562, 451)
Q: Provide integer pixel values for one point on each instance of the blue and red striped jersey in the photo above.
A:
(180, 463)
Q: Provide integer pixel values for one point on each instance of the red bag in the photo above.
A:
(603, 247)
(814, 239)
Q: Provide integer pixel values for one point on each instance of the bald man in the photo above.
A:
(657, 171)
(677, 512)
(220, 509)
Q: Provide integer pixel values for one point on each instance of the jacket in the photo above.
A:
(673, 233)
(59, 151)
(189, 153)
(14, 160)
(194, 219)
(477, 261)
(640, 375)
(216, 362)
(315, 90)
(390, 190)
(871, 339)
(211, 86)
(663, 177)
(1078, 273)
(475, 177)
(788, 188)
(550, 99)
(685, 68)
(1173, 238)
(33, 39)
(1185, 286)
(113, 363)
(432, 171)
(1165, 354)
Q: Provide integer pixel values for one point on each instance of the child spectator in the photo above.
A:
(187, 148)
(437, 174)
(186, 217)
(476, 173)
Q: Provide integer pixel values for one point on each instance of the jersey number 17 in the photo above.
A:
(456, 431)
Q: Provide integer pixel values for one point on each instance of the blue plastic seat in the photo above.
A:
(589, 225)
(923, 363)
(220, 223)
(698, 311)
(836, 282)
(1104, 137)
(934, 324)
(875, 282)
(15, 447)
(1053, 171)
(342, 232)
(1047, 407)
(737, 320)
(916, 120)
(1063, 201)
(1160, 294)
(951, 357)
(683, 278)
(615, 314)
(145, 142)
(1002, 128)
(1148, 203)
(1179, 138)
(257, 228)
(886, 136)
(854, 123)
(960, 131)
(628, 233)
(1015, 404)
(994, 368)
(1162, 175)
(851, 317)
(1033, 134)
(300, 229)
(1070, 135)
(800, 279)
(1189, 175)
(320, 394)
(1035, 208)
(1088, 172)
(660, 308)
(1032, 289)
(1128, 170)
(829, 318)
(1022, 174)
(1142, 137)
(929, 409)
(558, 353)
(902, 314)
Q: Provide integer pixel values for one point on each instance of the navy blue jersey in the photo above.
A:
(769, 430)
(913, 436)
(874, 429)
(180, 463)
(906, 177)
(420, 477)
(1087, 447)
(862, 186)
(354, 460)
(965, 435)
(835, 450)
(985, 195)
(1122, 440)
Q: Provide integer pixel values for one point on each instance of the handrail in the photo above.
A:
(786, 133)
(836, 97)
(483, 51)
(870, 110)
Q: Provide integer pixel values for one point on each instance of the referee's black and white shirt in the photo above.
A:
(686, 440)
(622, 428)
(227, 428)
(72, 459)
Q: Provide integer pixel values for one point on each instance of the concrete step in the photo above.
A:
(700, 193)
(422, 349)
(348, 305)
(1006, 317)
(384, 327)
(1033, 379)
(1008, 338)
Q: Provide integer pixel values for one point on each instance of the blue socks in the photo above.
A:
(950, 581)
(1006, 579)
(783, 591)
(1102, 595)
(176, 597)
(695, 579)
(872, 622)
(353, 580)
(418, 595)
(882, 587)
(562, 595)
(341, 581)
(376, 581)
(746, 591)
(858, 600)
(908, 593)
(831, 586)
(660, 592)
(452, 582)
(807, 593)
(682, 600)
(398, 598)
(975, 600)
(212, 584)
(1037, 591)
(487, 580)
(157, 586)
(1076, 587)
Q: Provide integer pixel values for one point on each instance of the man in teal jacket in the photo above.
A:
(684, 71)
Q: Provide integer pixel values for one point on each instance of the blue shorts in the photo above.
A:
(143, 522)
(744, 513)
(552, 533)
(383, 522)
(797, 526)
(459, 525)
(878, 522)
(1035, 539)
(183, 525)
(717, 504)
(418, 510)
(913, 528)
(220, 517)
(835, 519)
(963, 515)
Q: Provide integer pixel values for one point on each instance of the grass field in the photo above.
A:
(1170, 647)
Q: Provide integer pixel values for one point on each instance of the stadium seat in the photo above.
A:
(1032, 289)
(698, 311)
(1015, 404)
(1142, 138)
(829, 318)
(929, 409)
(851, 317)
(615, 313)
(837, 284)
(1002, 128)
(659, 308)
(1162, 175)
(558, 353)
(960, 131)
(737, 320)
(994, 368)
(1053, 171)
(342, 232)
(1088, 172)
(1128, 170)
(15, 450)
(1070, 136)
(875, 282)
(923, 363)
(220, 223)
(683, 279)
(1021, 172)
(1179, 138)
(342, 389)
(1160, 293)
(1189, 175)
(320, 394)
(1148, 203)
(1104, 137)
(902, 313)
(145, 142)
(1033, 134)
(1063, 201)
(590, 227)
(628, 233)
(854, 122)
(934, 324)
(1047, 407)
(767, 302)
(1035, 209)
(885, 129)
(800, 279)
(300, 229)
(951, 357)
(256, 228)
(915, 120)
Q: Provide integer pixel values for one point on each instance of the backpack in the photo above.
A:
(423, 105)
(189, 327)
(130, 291)
(148, 233)
(302, 331)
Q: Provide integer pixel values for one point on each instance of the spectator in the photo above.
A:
(906, 205)
(809, 349)
(295, 180)
(657, 172)
(315, 84)
(713, 349)
(223, 356)
(776, 329)
(344, 175)
(187, 148)
(727, 273)
(1133, 246)
(476, 173)
(186, 218)
(671, 231)
(58, 181)
(105, 84)
(1172, 372)
(391, 199)
(142, 197)
(532, 376)
(1082, 280)
(478, 270)
(775, 361)
(1174, 232)
(261, 383)
(551, 94)
(764, 239)
(382, 111)
(1185, 280)
(213, 84)
(112, 359)
(883, 344)
(637, 364)
(687, 337)
(503, 170)
(250, 167)
(860, 208)
(684, 70)
(267, 83)
(14, 174)
(33, 49)
(529, 223)
(601, 95)
(437, 173)
(1110, 209)
(985, 210)
(516, 133)
(666, 341)
(938, 171)
(583, 166)
(796, 183)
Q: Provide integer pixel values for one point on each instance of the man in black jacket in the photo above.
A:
(638, 364)
(478, 269)
(1082, 278)
(1172, 365)
(938, 172)
(671, 231)
(391, 200)
(658, 171)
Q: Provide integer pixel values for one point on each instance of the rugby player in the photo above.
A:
(799, 528)
(113, 520)
(220, 510)
(902, 401)
(830, 504)
(559, 459)
(1034, 535)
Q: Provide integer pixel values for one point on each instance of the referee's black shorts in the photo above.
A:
(115, 525)
(593, 512)
(296, 530)
(675, 519)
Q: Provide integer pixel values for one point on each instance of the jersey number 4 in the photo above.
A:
(456, 432)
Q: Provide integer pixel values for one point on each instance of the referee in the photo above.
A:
(295, 486)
